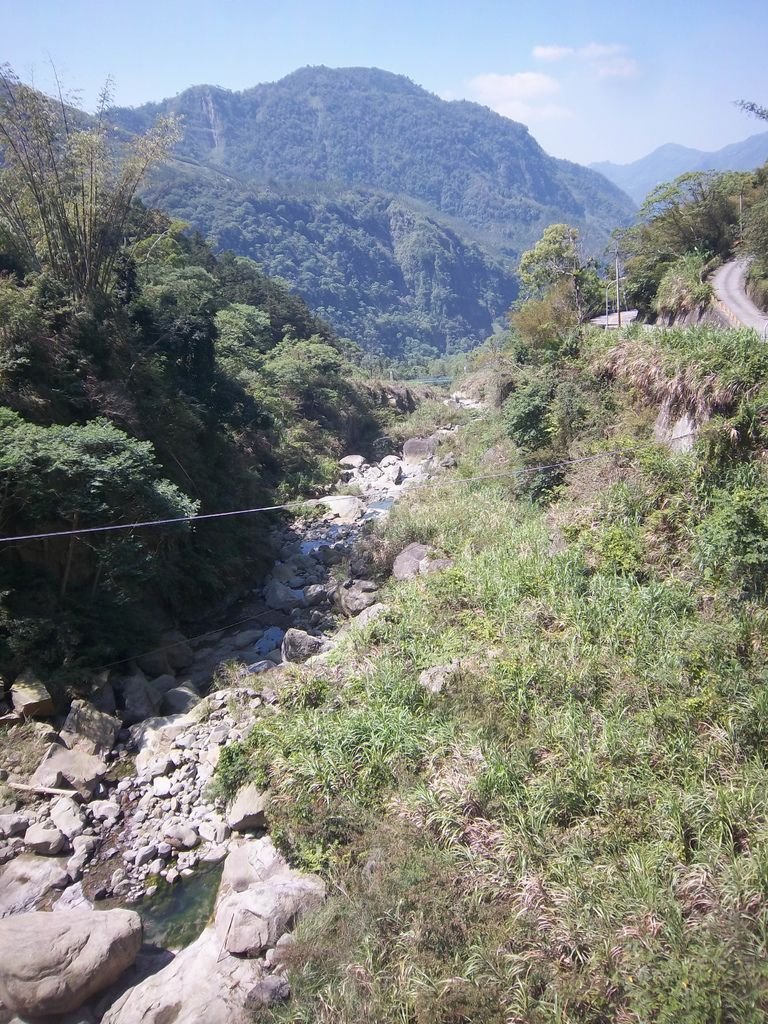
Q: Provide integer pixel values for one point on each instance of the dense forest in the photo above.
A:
(361, 173)
(141, 377)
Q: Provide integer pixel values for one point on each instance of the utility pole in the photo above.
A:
(618, 298)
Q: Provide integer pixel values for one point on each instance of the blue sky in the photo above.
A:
(593, 81)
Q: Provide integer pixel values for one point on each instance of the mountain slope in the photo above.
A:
(470, 172)
(667, 162)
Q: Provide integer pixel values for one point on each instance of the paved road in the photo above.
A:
(729, 284)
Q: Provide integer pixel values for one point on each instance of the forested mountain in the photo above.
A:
(667, 162)
(405, 200)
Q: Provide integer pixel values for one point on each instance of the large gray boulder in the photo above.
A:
(53, 963)
(205, 981)
(180, 700)
(281, 597)
(343, 508)
(351, 598)
(140, 699)
(249, 923)
(248, 810)
(178, 653)
(30, 697)
(88, 729)
(25, 880)
(417, 449)
(298, 645)
(45, 840)
(407, 563)
(61, 768)
(68, 817)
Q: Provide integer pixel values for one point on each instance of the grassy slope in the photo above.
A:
(575, 829)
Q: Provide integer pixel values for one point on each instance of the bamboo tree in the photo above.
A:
(66, 186)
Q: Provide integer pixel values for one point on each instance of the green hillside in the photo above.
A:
(470, 187)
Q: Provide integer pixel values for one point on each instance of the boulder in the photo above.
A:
(180, 700)
(250, 922)
(30, 697)
(44, 840)
(272, 638)
(162, 684)
(298, 645)
(178, 652)
(315, 594)
(351, 598)
(68, 817)
(181, 837)
(406, 565)
(281, 597)
(25, 880)
(13, 825)
(372, 613)
(53, 963)
(352, 462)
(140, 699)
(89, 729)
(437, 678)
(105, 810)
(154, 663)
(69, 769)
(201, 983)
(417, 449)
(73, 898)
(248, 810)
(343, 508)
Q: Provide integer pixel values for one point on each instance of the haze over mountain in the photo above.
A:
(668, 161)
(396, 214)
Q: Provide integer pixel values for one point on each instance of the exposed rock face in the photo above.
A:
(407, 563)
(30, 697)
(248, 810)
(53, 963)
(25, 880)
(259, 896)
(298, 645)
(69, 769)
(88, 729)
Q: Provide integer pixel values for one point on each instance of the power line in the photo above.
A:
(112, 527)
(457, 480)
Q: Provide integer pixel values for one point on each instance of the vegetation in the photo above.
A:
(141, 377)
(573, 829)
(399, 215)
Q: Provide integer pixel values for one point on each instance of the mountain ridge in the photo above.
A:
(467, 169)
(668, 161)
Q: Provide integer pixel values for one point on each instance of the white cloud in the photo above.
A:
(596, 51)
(524, 96)
(620, 67)
(552, 52)
(607, 60)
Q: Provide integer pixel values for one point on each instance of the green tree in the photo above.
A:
(557, 261)
(66, 189)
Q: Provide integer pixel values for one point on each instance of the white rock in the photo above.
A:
(53, 963)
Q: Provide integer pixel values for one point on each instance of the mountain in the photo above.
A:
(667, 162)
(428, 202)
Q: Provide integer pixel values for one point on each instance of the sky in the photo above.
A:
(593, 81)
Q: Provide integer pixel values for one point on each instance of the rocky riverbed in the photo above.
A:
(117, 802)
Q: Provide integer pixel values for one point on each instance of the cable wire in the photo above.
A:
(79, 531)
